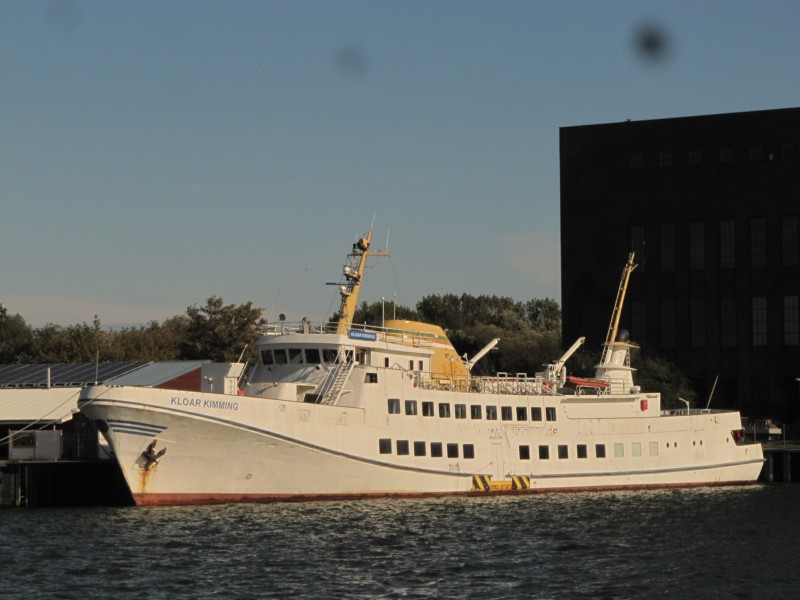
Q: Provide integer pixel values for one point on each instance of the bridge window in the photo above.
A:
(313, 356)
(295, 355)
(266, 357)
(385, 446)
(329, 355)
(394, 406)
(280, 356)
(444, 410)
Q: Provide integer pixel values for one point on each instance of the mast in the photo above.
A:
(617, 312)
(353, 271)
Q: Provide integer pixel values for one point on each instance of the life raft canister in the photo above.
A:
(643, 404)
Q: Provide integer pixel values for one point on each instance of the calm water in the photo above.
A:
(711, 543)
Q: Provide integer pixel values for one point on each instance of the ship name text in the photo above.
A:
(204, 403)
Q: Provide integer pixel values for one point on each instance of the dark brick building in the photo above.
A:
(710, 204)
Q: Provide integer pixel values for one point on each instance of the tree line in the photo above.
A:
(529, 332)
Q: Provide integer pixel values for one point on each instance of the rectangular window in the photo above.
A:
(550, 413)
(411, 407)
(759, 321)
(452, 450)
(280, 357)
(522, 413)
(313, 357)
(653, 448)
(329, 355)
(266, 357)
(385, 446)
(427, 409)
(544, 452)
(536, 413)
(491, 413)
(791, 321)
(619, 450)
(582, 452)
(402, 447)
(697, 246)
(461, 411)
(697, 323)
(386, 362)
(756, 153)
(419, 448)
(725, 156)
(664, 160)
(758, 242)
(444, 410)
(667, 247)
(436, 449)
(667, 324)
(524, 452)
(563, 451)
(636, 449)
(727, 254)
(505, 413)
(789, 241)
(600, 450)
(475, 411)
(635, 162)
(638, 244)
(695, 158)
(727, 322)
(394, 406)
(295, 355)
(469, 451)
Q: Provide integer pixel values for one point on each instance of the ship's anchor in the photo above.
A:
(150, 455)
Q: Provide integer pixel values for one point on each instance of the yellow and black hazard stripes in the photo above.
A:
(520, 482)
(484, 483)
(481, 483)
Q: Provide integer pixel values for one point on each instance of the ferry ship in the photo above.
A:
(336, 411)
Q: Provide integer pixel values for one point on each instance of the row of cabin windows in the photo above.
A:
(437, 449)
(476, 411)
(291, 356)
(582, 451)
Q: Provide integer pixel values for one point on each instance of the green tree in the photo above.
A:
(16, 337)
(219, 332)
(655, 374)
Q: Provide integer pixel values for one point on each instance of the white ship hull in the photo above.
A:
(225, 448)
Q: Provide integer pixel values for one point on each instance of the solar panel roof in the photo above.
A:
(63, 374)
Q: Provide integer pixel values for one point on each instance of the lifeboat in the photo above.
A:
(573, 381)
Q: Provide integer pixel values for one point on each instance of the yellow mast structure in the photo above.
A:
(353, 272)
(611, 337)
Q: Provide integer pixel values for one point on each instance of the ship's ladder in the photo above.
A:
(332, 387)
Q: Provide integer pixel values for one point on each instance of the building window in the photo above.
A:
(402, 447)
(524, 452)
(635, 162)
(419, 448)
(787, 150)
(475, 411)
(697, 246)
(469, 451)
(582, 453)
(727, 322)
(759, 321)
(758, 242)
(436, 449)
(444, 410)
(385, 446)
(544, 452)
(394, 406)
(427, 409)
(664, 160)
(727, 255)
(667, 324)
(522, 413)
(789, 241)
(600, 450)
(725, 156)
(550, 413)
(563, 451)
(698, 322)
(452, 450)
(639, 321)
(791, 323)
(411, 407)
(491, 413)
(695, 158)
(756, 153)
(461, 411)
(536, 413)
(638, 244)
(505, 413)
(667, 247)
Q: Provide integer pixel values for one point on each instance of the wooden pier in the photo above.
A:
(782, 465)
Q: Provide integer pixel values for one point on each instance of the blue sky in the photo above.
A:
(155, 153)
